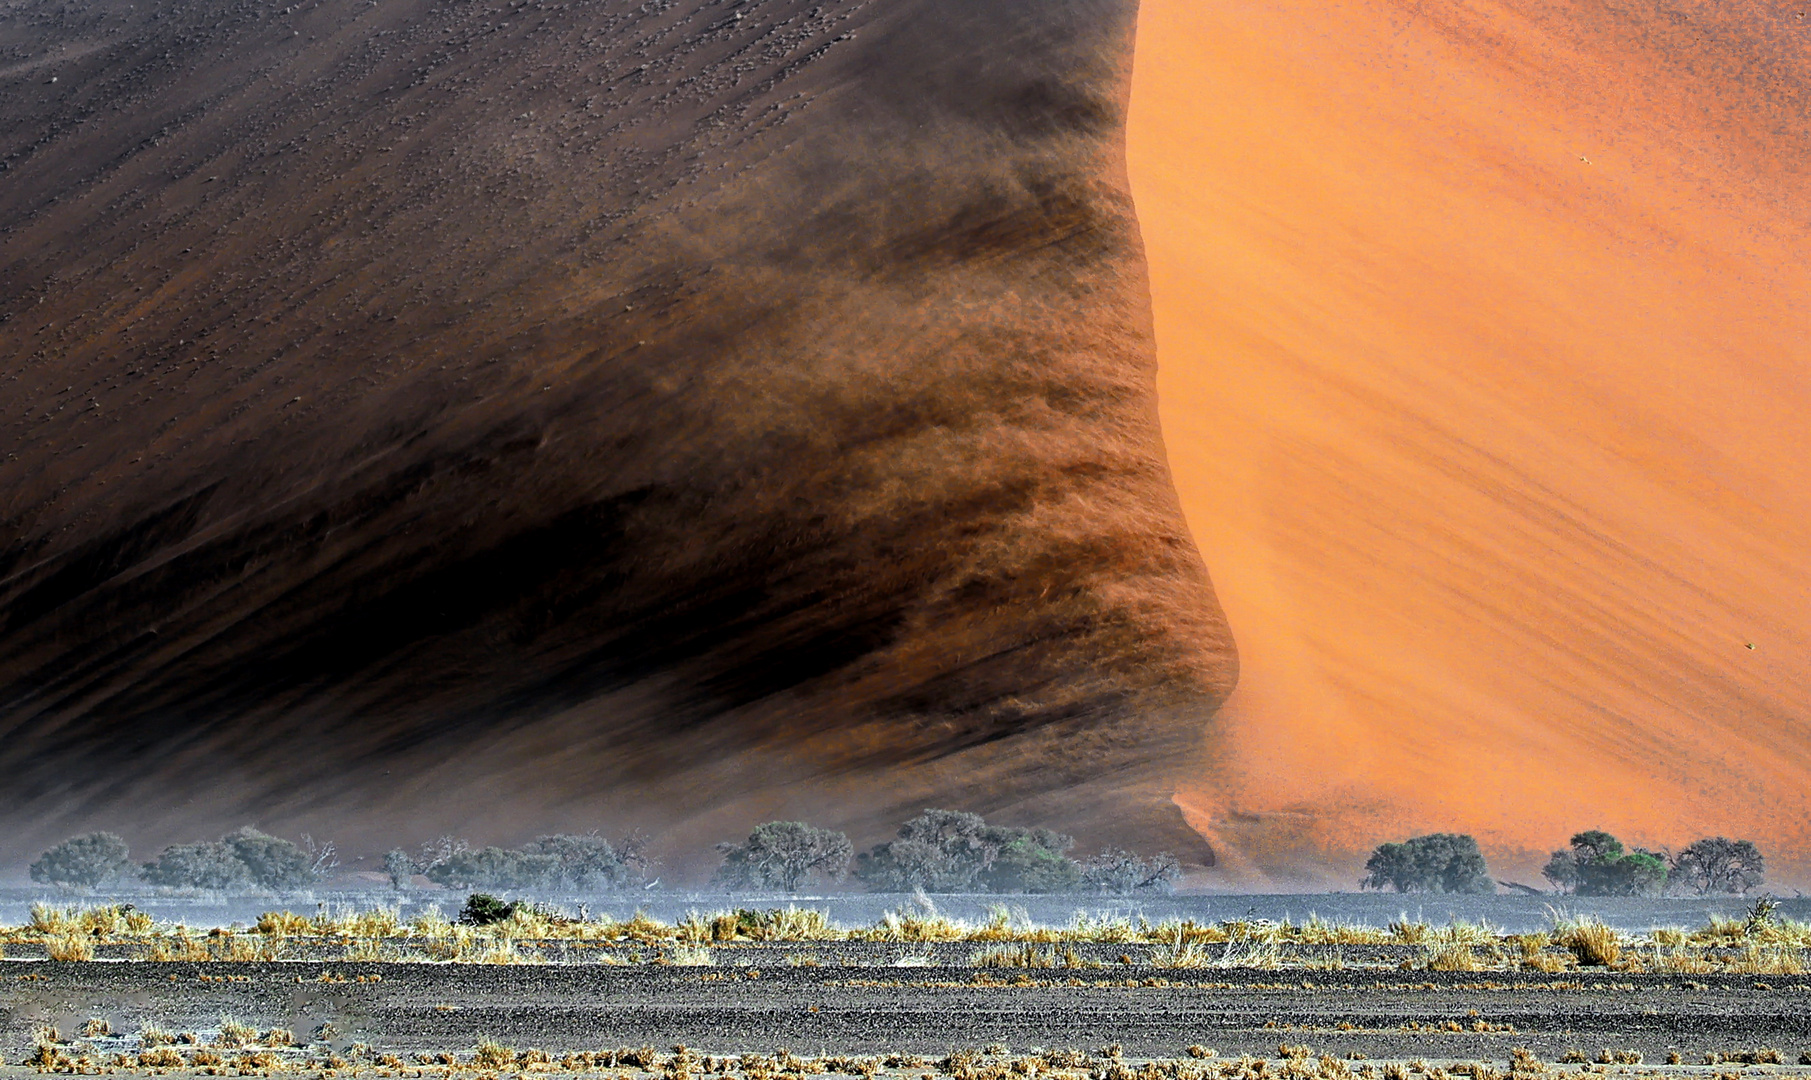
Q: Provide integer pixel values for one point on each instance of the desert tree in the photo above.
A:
(1435, 863)
(1031, 861)
(1717, 864)
(783, 855)
(206, 865)
(271, 862)
(491, 868)
(1596, 864)
(83, 862)
(586, 862)
(323, 856)
(399, 865)
(1125, 873)
(937, 851)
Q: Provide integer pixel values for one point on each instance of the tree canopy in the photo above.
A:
(1437, 863)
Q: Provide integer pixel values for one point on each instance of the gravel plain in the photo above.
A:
(767, 1005)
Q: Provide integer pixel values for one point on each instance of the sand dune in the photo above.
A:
(1485, 371)
(496, 416)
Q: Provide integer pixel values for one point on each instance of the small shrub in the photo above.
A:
(1453, 958)
(234, 1035)
(491, 1054)
(70, 947)
(1591, 941)
(483, 909)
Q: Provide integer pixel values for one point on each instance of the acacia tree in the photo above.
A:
(1437, 862)
(400, 867)
(938, 851)
(1717, 864)
(1125, 873)
(1597, 864)
(207, 865)
(271, 861)
(82, 862)
(783, 855)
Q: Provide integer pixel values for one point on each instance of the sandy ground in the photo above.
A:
(408, 1009)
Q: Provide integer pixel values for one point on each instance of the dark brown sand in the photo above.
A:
(491, 416)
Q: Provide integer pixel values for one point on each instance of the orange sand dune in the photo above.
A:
(1486, 381)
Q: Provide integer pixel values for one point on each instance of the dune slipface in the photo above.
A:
(525, 414)
(1486, 363)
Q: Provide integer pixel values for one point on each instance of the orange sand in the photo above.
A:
(1486, 379)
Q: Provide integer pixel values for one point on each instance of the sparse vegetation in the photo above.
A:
(497, 931)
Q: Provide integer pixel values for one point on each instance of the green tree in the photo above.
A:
(1032, 861)
(1437, 863)
(82, 862)
(1597, 864)
(783, 855)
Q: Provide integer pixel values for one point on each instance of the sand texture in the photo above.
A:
(1485, 363)
(521, 415)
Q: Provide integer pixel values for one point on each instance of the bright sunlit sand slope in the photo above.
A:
(1483, 347)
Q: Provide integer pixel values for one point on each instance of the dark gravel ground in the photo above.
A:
(411, 1008)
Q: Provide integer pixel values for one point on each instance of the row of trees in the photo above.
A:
(559, 862)
(939, 851)
(1594, 864)
(245, 858)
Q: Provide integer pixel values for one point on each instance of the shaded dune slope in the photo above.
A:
(510, 413)
(1485, 361)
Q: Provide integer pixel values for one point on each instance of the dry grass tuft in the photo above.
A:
(690, 956)
(1592, 942)
(161, 1057)
(1453, 957)
(234, 1035)
(70, 946)
(1023, 956)
(491, 1054)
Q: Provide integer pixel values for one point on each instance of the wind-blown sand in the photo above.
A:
(561, 415)
(1485, 368)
